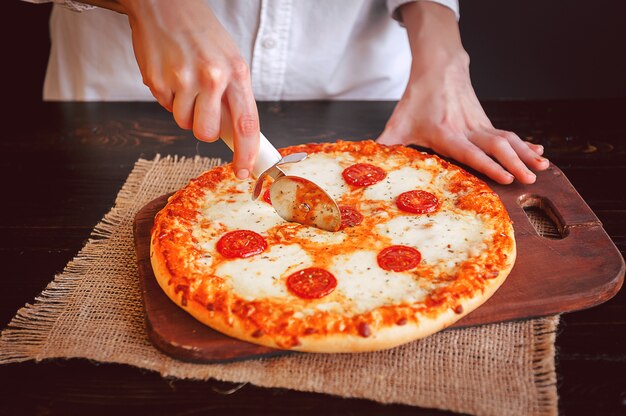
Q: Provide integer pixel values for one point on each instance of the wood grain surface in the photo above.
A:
(580, 270)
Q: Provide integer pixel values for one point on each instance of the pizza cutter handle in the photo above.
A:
(267, 157)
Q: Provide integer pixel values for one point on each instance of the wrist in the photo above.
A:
(450, 62)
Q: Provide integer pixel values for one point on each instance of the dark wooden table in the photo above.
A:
(62, 165)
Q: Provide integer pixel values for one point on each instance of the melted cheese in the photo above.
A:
(323, 170)
(366, 286)
(263, 276)
(397, 182)
(444, 238)
(240, 212)
(315, 235)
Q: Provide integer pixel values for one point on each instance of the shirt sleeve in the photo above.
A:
(394, 5)
(75, 6)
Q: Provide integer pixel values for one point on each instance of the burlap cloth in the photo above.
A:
(93, 310)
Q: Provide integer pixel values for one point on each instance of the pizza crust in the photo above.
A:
(385, 338)
(224, 319)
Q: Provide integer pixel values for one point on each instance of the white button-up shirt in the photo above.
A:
(296, 50)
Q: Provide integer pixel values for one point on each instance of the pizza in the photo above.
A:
(422, 243)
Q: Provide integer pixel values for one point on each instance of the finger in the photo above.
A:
(164, 96)
(390, 137)
(471, 155)
(398, 131)
(500, 148)
(527, 155)
(160, 90)
(206, 117)
(537, 148)
(183, 108)
(245, 119)
(387, 137)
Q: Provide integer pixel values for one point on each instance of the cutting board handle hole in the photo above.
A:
(543, 217)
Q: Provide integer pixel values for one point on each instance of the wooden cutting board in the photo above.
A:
(576, 268)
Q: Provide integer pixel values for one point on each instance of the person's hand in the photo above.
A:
(439, 108)
(194, 69)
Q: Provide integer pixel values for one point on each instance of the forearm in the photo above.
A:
(433, 34)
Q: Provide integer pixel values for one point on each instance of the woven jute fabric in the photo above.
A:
(93, 310)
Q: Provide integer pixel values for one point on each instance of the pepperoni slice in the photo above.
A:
(266, 196)
(311, 283)
(417, 202)
(241, 243)
(363, 174)
(398, 258)
(349, 217)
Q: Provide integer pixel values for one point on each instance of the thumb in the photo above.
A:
(389, 136)
(395, 134)
(385, 137)
(397, 130)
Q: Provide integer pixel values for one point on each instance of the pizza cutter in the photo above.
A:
(294, 198)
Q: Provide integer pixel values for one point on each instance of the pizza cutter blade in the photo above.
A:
(299, 200)
(294, 198)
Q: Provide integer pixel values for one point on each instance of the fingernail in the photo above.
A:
(242, 174)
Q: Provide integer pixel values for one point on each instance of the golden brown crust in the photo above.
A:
(174, 256)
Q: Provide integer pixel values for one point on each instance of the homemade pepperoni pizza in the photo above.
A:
(422, 243)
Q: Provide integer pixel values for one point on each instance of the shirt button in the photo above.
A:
(268, 43)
